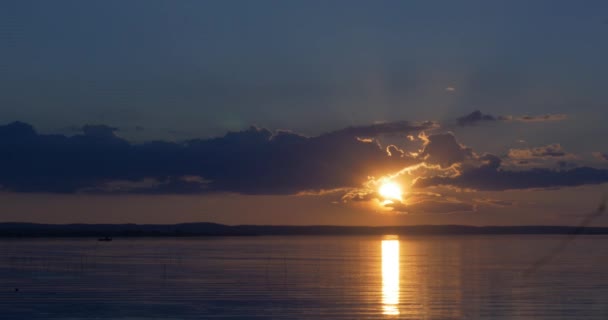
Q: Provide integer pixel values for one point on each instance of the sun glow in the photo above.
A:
(390, 191)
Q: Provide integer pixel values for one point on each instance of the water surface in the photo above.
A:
(304, 277)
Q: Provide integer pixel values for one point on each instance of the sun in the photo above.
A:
(390, 191)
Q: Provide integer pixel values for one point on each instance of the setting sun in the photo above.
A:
(390, 191)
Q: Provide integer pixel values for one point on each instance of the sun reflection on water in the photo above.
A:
(390, 277)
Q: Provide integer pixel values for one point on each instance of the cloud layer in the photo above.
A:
(351, 162)
(490, 177)
(253, 161)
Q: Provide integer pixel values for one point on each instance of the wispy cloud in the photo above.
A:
(548, 151)
(536, 118)
(477, 117)
(433, 206)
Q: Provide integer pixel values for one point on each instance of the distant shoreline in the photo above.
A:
(34, 230)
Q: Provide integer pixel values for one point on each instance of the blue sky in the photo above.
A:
(208, 66)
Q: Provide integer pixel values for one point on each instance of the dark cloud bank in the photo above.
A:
(253, 161)
(490, 177)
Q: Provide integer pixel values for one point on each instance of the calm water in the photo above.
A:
(439, 277)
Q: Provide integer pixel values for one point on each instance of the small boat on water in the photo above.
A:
(105, 239)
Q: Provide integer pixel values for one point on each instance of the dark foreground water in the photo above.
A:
(435, 277)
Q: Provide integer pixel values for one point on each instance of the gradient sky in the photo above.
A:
(326, 75)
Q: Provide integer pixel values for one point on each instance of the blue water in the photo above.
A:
(348, 277)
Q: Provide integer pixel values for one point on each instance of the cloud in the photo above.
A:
(260, 161)
(600, 156)
(252, 161)
(537, 118)
(487, 173)
(444, 162)
(473, 118)
(444, 150)
(540, 157)
(415, 202)
(165, 185)
(489, 177)
(386, 128)
(477, 117)
(544, 152)
(359, 194)
(494, 202)
(432, 205)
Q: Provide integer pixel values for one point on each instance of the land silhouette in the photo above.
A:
(18, 229)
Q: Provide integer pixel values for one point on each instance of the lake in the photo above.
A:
(305, 277)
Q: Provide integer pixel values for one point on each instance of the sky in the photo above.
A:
(298, 112)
